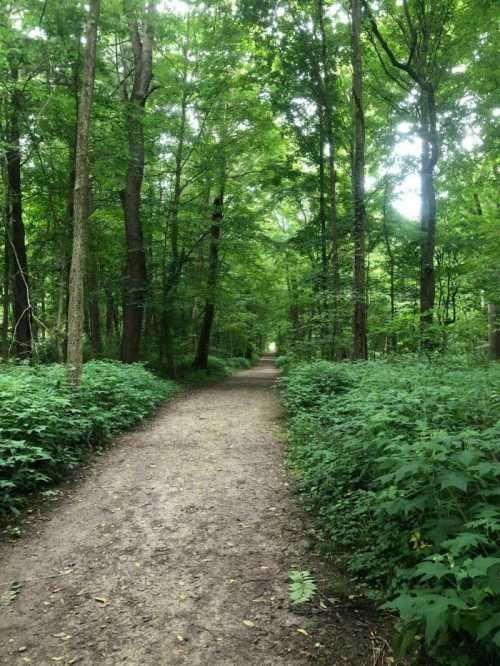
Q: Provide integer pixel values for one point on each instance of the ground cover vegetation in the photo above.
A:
(184, 182)
(399, 461)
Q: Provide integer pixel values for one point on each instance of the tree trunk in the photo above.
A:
(6, 265)
(323, 282)
(428, 212)
(201, 358)
(392, 265)
(21, 305)
(76, 297)
(494, 332)
(171, 274)
(332, 177)
(94, 311)
(360, 349)
(136, 279)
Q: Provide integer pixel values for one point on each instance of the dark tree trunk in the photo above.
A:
(136, 278)
(94, 308)
(392, 266)
(494, 332)
(428, 211)
(110, 313)
(22, 330)
(201, 358)
(360, 348)
(6, 264)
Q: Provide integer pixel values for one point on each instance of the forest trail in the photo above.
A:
(174, 549)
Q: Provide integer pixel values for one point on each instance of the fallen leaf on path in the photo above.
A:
(248, 623)
(302, 631)
(102, 600)
(179, 637)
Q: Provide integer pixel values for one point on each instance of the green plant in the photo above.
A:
(302, 588)
(46, 428)
(399, 461)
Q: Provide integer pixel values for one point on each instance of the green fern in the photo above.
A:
(302, 588)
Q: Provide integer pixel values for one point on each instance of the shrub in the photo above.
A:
(400, 462)
(217, 369)
(46, 428)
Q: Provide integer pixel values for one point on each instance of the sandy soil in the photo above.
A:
(174, 547)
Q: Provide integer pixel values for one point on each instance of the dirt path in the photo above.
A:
(174, 549)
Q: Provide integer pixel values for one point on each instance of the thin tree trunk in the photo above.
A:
(428, 212)
(21, 305)
(136, 279)
(110, 313)
(60, 331)
(201, 358)
(323, 282)
(172, 273)
(76, 297)
(330, 138)
(360, 348)
(6, 264)
(494, 332)
(93, 304)
(390, 254)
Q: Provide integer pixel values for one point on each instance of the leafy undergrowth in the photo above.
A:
(218, 368)
(46, 429)
(400, 461)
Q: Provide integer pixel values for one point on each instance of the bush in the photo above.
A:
(217, 369)
(46, 428)
(401, 464)
(238, 363)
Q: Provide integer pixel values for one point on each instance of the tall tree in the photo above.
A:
(360, 347)
(423, 27)
(135, 101)
(201, 358)
(80, 206)
(21, 304)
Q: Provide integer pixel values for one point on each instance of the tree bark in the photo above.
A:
(360, 347)
(6, 263)
(201, 358)
(428, 211)
(136, 279)
(21, 305)
(332, 177)
(494, 332)
(392, 265)
(171, 274)
(76, 308)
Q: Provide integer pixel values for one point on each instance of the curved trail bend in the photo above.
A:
(174, 549)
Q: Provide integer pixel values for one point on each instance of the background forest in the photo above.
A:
(222, 145)
(185, 183)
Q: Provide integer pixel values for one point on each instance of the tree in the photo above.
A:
(136, 279)
(424, 29)
(21, 302)
(81, 192)
(360, 349)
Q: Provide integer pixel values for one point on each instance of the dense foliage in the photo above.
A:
(400, 463)
(46, 428)
(183, 181)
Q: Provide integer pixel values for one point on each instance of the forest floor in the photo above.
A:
(174, 547)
